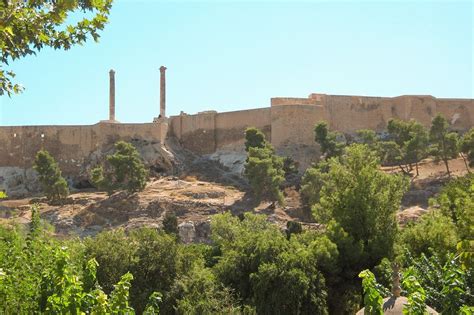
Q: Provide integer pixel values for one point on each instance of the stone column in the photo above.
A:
(112, 95)
(162, 92)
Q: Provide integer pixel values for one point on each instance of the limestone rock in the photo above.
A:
(195, 232)
(18, 182)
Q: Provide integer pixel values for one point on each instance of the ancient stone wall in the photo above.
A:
(288, 125)
(207, 132)
(350, 113)
(70, 145)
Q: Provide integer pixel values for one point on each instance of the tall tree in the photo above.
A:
(263, 168)
(416, 147)
(358, 202)
(27, 26)
(53, 184)
(445, 144)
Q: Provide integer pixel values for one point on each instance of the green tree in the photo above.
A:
(278, 275)
(263, 168)
(408, 145)
(433, 233)
(199, 292)
(416, 146)
(124, 170)
(362, 200)
(330, 142)
(254, 138)
(358, 202)
(312, 182)
(467, 147)
(444, 144)
(53, 184)
(114, 252)
(26, 27)
(370, 138)
(456, 201)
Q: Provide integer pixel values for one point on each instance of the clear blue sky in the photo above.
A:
(230, 56)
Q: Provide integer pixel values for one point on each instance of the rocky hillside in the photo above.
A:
(205, 188)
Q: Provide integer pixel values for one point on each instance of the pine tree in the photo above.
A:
(53, 184)
(263, 168)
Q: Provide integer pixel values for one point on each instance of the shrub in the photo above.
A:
(432, 234)
(123, 170)
(170, 223)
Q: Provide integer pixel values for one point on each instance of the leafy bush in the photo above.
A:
(199, 292)
(446, 286)
(123, 170)
(373, 300)
(39, 274)
(53, 184)
(170, 223)
(149, 255)
(434, 233)
(264, 268)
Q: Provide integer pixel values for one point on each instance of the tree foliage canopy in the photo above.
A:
(27, 26)
(124, 170)
(362, 200)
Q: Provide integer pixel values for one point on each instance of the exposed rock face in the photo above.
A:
(233, 160)
(195, 232)
(18, 182)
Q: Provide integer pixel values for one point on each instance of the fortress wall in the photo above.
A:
(70, 145)
(208, 131)
(351, 113)
(292, 132)
(294, 124)
(231, 126)
(460, 112)
(195, 132)
(279, 101)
